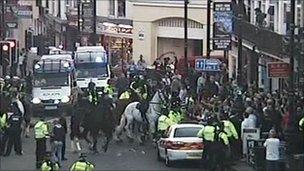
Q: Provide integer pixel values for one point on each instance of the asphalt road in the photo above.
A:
(123, 156)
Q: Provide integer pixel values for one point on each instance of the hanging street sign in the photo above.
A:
(203, 64)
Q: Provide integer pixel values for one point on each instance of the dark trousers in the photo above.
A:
(95, 137)
(40, 150)
(63, 149)
(3, 141)
(272, 165)
(14, 139)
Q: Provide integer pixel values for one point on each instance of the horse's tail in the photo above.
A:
(123, 122)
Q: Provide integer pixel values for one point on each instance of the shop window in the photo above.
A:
(121, 8)
(112, 7)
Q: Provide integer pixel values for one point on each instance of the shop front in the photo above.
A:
(117, 40)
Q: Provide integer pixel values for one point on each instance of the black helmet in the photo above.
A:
(91, 86)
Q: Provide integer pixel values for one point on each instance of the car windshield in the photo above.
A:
(50, 79)
(89, 71)
(186, 132)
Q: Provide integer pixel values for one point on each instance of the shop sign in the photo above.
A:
(203, 64)
(222, 26)
(25, 12)
(278, 70)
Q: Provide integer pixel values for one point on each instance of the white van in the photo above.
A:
(91, 63)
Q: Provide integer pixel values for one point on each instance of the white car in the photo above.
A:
(180, 143)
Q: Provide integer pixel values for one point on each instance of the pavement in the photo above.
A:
(122, 156)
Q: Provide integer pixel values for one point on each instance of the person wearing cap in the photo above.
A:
(272, 145)
(41, 134)
(14, 131)
(82, 164)
(48, 164)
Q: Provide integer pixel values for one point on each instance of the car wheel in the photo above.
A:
(168, 162)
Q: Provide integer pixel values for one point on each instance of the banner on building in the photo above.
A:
(222, 26)
(278, 70)
(87, 17)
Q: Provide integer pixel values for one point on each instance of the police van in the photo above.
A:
(53, 83)
(91, 63)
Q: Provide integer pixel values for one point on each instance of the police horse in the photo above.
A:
(132, 114)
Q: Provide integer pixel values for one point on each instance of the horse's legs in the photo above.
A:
(108, 139)
(128, 128)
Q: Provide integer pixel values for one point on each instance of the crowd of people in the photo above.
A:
(210, 99)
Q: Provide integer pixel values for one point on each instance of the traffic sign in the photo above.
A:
(278, 70)
(203, 64)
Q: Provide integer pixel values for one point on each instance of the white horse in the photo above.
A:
(132, 114)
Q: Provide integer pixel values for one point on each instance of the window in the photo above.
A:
(112, 7)
(38, 3)
(187, 132)
(47, 3)
(121, 8)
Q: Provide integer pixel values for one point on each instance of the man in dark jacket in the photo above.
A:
(63, 122)
(58, 138)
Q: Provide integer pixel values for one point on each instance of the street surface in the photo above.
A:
(123, 156)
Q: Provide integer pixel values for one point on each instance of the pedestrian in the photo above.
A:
(41, 135)
(200, 85)
(3, 132)
(63, 122)
(272, 145)
(48, 164)
(82, 164)
(141, 63)
(14, 131)
(58, 137)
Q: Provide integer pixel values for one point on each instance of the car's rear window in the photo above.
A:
(186, 132)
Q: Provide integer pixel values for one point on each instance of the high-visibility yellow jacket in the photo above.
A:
(41, 130)
(230, 129)
(49, 166)
(164, 123)
(3, 121)
(82, 166)
(301, 124)
(175, 117)
(124, 95)
(207, 133)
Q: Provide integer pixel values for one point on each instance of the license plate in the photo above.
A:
(50, 107)
(194, 155)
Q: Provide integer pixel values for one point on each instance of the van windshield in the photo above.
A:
(50, 79)
(91, 71)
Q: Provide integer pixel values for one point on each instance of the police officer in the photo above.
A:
(140, 87)
(14, 131)
(208, 136)
(221, 144)
(175, 114)
(82, 164)
(48, 164)
(93, 94)
(164, 123)
(41, 134)
(231, 132)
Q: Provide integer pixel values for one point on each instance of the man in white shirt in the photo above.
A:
(252, 116)
(272, 145)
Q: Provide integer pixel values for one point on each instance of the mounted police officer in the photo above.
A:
(140, 87)
(93, 94)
